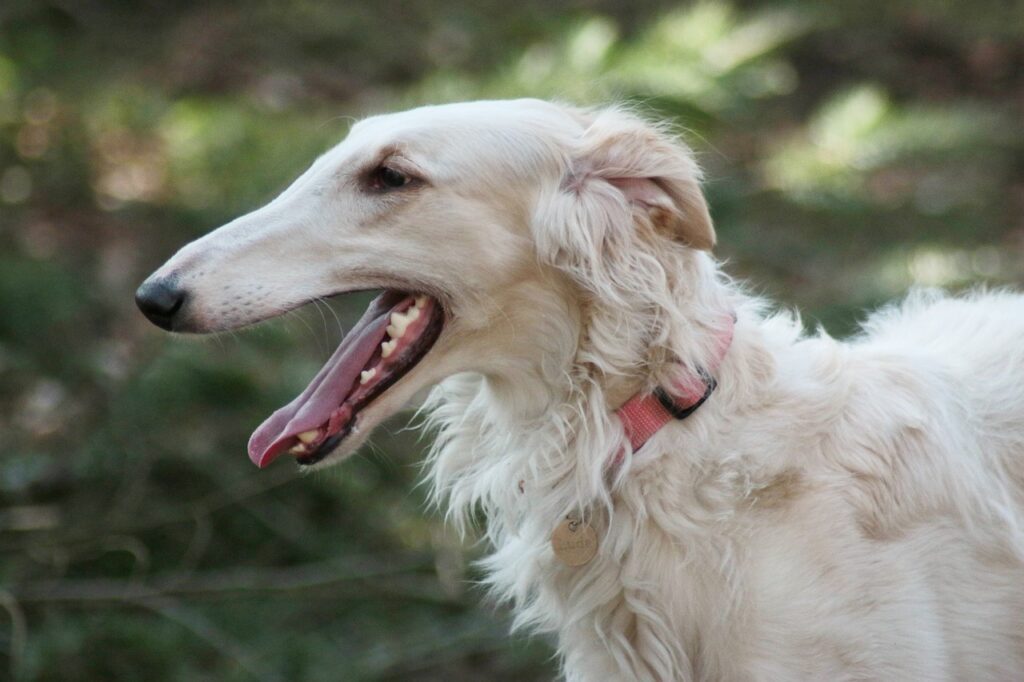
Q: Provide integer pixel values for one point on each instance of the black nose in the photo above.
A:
(160, 300)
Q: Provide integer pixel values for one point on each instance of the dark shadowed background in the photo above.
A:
(853, 150)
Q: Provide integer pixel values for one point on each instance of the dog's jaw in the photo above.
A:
(395, 334)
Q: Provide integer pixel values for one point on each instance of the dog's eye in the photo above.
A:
(385, 178)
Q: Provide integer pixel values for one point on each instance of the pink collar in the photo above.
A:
(645, 414)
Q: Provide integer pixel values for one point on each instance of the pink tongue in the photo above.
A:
(329, 387)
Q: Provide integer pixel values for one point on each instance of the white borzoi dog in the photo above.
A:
(833, 511)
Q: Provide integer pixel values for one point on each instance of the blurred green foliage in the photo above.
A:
(852, 149)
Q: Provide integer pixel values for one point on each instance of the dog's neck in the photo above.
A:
(553, 425)
(554, 429)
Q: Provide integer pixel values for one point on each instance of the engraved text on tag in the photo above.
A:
(574, 542)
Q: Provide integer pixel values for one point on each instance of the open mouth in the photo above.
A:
(394, 334)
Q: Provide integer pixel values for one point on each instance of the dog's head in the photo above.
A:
(501, 234)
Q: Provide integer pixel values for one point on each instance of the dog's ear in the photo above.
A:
(634, 174)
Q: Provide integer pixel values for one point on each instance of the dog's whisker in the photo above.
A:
(337, 320)
(297, 315)
(323, 321)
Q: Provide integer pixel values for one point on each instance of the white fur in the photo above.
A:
(835, 511)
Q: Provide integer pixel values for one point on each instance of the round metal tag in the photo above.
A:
(574, 542)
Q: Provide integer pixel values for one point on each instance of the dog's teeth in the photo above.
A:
(309, 436)
(387, 348)
(421, 301)
(412, 313)
(396, 329)
(298, 449)
(399, 323)
(368, 374)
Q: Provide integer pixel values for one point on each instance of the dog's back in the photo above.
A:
(974, 346)
(936, 422)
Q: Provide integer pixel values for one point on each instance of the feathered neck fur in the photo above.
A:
(552, 427)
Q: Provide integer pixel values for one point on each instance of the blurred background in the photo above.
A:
(853, 150)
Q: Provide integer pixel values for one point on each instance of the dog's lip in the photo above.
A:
(331, 401)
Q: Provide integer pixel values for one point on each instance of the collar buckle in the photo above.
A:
(682, 412)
